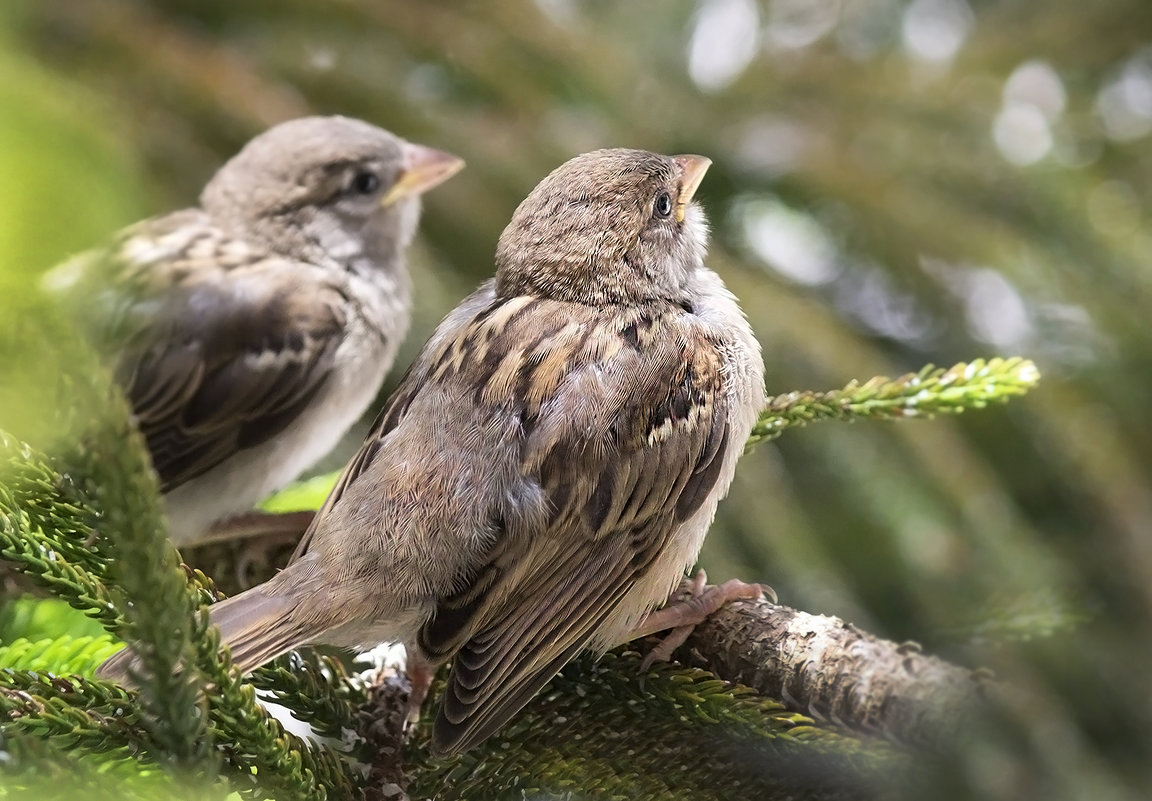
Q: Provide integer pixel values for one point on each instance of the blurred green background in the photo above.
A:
(895, 183)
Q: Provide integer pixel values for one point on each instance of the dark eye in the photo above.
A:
(663, 204)
(365, 183)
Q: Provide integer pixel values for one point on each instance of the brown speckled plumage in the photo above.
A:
(250, 332)
(550, 463)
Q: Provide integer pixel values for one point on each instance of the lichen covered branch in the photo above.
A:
(831, 670)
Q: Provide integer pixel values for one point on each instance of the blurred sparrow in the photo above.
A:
(251, 332)
(549, 465)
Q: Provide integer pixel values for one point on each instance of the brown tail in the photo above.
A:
(256, 627)
(115, 667)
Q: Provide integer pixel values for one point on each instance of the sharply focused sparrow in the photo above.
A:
(551, 462)
(251, 332)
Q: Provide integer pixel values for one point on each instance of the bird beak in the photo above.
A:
(692, 169)
(423, 168)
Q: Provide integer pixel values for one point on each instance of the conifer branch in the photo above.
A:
(160, 605)
(317, 689)
(101, 717)
(51, 505)
(41, 556)
(275, 762)
(582, 733)
(71, 712)
(932, 391)
(829, 669)
(672, 733)
(114, 532)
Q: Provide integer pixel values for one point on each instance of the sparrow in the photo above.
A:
(249, 333)
(548, 467)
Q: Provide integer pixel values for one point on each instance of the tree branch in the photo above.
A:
(768, 699)
(790, 676)
(831, 670)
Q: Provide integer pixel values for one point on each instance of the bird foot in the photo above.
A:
(682, 615)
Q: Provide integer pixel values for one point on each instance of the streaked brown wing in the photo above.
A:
(228, 371)
(213, 356)
(626, 447)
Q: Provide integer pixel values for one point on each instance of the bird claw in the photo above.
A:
(663, 650)
(682, 615)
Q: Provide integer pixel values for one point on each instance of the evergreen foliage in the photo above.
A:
(872, 208)
(931, 391)
(85, 524)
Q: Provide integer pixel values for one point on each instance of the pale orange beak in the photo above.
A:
(692, 169)
(423, 168)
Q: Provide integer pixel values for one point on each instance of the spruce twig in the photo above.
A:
(100, 717)
(161, 606)
(52, 505)
(107, 517)
(42, 556)
(679, 732)
(71, 712)
(317, 689)
(278, 763)
(673, 733)
(931, 391)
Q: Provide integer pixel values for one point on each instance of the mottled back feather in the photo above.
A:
(639, 406)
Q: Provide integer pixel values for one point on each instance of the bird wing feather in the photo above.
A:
(624, 426)
(212, 356)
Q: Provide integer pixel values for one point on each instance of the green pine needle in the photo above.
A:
(669, 734)
(932, 391)
(316, 689)
(23, 543)
(78, 538)
(71, 712)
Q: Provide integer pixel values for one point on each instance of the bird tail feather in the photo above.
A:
(256, 626)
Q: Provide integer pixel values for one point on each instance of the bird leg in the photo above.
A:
(420, 675)
(289, 525)
(681, 615)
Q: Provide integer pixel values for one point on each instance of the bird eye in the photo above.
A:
(663, 204)
(365, 183)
